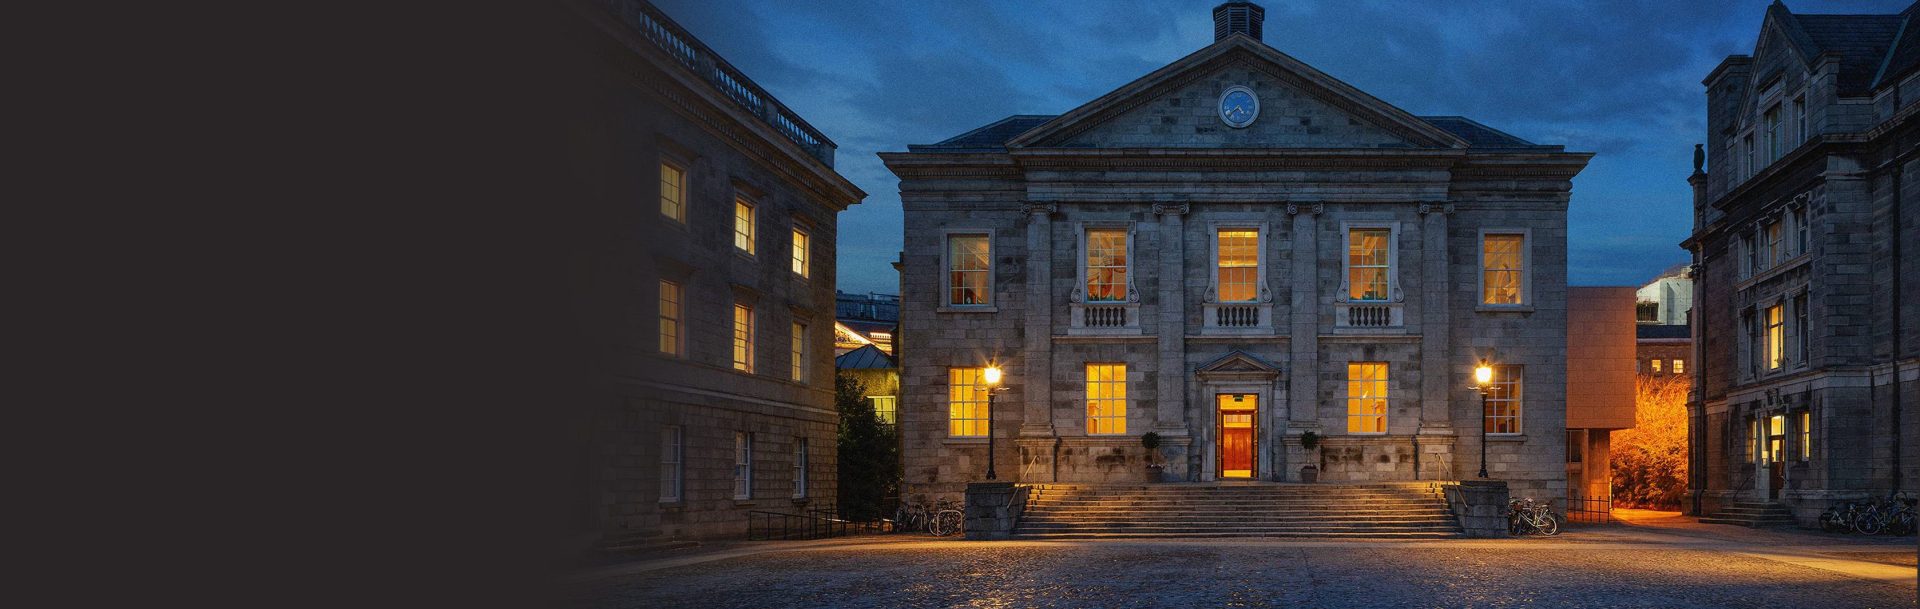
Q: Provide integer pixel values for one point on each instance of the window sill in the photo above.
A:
(1782, 268)
(1506, 437)
(738, 502)
(967, 309)
(673, 506)
(965, 440)
(1487, 308)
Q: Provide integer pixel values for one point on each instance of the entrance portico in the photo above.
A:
(1234, 403)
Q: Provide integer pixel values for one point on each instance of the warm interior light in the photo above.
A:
(992, 375)
(1483, 374)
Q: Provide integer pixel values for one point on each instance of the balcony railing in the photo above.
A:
(1367, 315)
(1237, 318)
(1105, 316)
(689, 52)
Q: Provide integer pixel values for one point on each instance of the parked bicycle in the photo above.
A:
(945, 518)
(1526, 516)
(1890, 515)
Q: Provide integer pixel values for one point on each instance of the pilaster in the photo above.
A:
(1037, 387)
(1170, 419)
(1437, 379)
(1303, 375)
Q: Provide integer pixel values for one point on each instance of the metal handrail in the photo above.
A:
(677, 44)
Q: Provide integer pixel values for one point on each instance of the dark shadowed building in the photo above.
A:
(727, 373)
(1805, 334)
(1600, 400)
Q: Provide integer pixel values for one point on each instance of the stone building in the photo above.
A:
(1804, 333)
(1663, 351)
(1667, 299)
(727, 376)
(1232, 252)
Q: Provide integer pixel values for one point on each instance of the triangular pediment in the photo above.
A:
(1238, 363)
(1178, 107)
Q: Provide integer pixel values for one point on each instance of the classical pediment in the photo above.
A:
(1239, 364)
(1178, 106)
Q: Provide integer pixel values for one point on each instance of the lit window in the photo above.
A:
(799, 468)
(1367, 397)
(1774, 234)
(670, 318)
(1776, 337)
(743, 338)
(672, 454)
(1106, 398)
(1368, 263)
(743, 226)
(1806, 435)
(969, 270)
(1753, 437)
(1239, 265)
(800, 252)
(966, 403)
(799, 351)
(885, 408)
(1106, 265)
(1502, 260)
(1503, 401)
(1655, 363)
(1679, 366)
(742, 465)
(1776, 438)
(673, 192)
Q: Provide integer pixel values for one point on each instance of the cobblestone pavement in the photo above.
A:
(1611, 568)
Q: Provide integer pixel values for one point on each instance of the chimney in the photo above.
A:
(1237, 18)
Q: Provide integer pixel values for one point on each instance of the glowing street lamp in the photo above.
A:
(1483, 382)
(992, 376)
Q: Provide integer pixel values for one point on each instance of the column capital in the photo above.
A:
(1428, 208)
(1315, 209)
(1171, 209)
(1041, 209)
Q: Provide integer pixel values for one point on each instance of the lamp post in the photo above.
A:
(1483, 382)
(992, 377)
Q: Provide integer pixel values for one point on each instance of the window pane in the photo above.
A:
(670, 318)
(670, 458)
(1367, 259)
(743, 226)
(966, 402)
(1502, 259)
(1776, 338)
(1239, 265)
(1106, 398)
(1106, 265)
(1367, 397)
(742, 338)
(884, 408)
(968, 270)
(800, 241)
(673, 192)
(1504, 400)
(799, 352)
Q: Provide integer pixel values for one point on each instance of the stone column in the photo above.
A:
(1438, 379)
(1303, 375)
(1170, 416)
(1036, 440)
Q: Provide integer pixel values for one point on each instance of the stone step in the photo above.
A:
(1229, 516)
(1250, 510)
(1226, 534)
(1748, 522)
(1024, 531)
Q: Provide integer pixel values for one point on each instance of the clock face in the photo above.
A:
(1239, 106)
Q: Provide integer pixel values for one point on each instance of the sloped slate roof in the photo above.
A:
(1662, 331)
(867, 357)
(1905, 54)
(994, 136)
(1861, 41)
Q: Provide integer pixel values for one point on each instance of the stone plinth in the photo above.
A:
(1480, 506)
(993, 509)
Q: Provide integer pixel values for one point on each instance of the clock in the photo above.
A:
(1239, 106)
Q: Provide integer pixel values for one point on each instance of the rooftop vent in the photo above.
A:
(1237, 18)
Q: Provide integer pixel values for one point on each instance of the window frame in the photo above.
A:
(947, 286)
(677, 320)
(1514, 376)
(1775, 332)
(801, 468)
(1802, 349)
(1525, 270)
(1355, 403)
(893, 403)
(1655, 363)
(1805, 432)
(802, 245)
(1085, 262)
(751, 236)
(1261, 292)
(742, 466)
(743, 343)
(797, 350)
(680, 168)
(1679, 366)
(673, 458)
(1097, 408)
(1346, 260)
(977, 404)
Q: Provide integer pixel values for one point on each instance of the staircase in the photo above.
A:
(1752, 514)
(1413, 510)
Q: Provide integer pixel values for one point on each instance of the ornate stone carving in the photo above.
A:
(1170, 209)
(1038, 208)
(1292, 209)
(1319, 208)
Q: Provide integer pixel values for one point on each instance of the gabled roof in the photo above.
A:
(867, 357)
(1273, 62)
(994, 136)
(1863, 43)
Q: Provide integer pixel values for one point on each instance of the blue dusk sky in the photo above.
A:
(1617, 78)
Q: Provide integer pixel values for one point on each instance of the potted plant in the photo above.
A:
(1156, 471)
(1311, 471)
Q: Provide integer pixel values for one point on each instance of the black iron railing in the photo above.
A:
(1589, 510)
(694, 55)
(816, 523)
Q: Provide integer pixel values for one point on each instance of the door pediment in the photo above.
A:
(1238, 365)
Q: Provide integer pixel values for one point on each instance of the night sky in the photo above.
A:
(1617, 78)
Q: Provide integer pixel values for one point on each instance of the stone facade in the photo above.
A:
(1812, 137)
(689, 394)
(1155, 162)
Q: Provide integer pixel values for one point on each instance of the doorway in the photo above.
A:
(1238, 429)
(1776, 455)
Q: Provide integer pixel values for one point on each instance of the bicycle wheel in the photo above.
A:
(1902, 524)
(1549, 525)
(1869, 522)
(948, 522)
